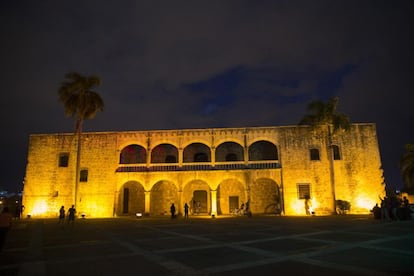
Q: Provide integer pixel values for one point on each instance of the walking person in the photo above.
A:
(62, 214)
(5, 224)
(186, 210)
(71, 214)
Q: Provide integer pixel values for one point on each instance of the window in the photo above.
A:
(314, 154)
(63, 159)
(83, 177)
(336, 153)
(304, 191)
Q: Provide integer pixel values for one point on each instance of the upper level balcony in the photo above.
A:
(196, 166)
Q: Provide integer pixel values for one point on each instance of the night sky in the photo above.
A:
(205, 64)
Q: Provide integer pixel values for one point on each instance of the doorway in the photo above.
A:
(233, 203)
(199, 201)
(125, 208)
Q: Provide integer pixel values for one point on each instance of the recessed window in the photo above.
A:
(83, 177)
(336, 153)
(314, 154)
(304, 191)
(63, 159)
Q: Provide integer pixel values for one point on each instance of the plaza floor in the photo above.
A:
(260, 245)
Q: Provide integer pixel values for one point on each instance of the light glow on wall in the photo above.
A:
(364, 202)
(39, 208)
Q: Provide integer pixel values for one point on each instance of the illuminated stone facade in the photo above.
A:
(274, 168)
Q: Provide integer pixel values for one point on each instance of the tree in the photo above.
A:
(323, 114)
(407, 168)
(80, 102)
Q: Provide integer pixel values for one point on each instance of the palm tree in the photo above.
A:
(407, 168)
(325, 115)
(81, 103)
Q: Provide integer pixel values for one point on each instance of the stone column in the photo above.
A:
(147, 201)
(214, 202)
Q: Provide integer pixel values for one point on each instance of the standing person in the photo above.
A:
(385, 211)
(62, 214)
(248, 211)
(186, 210)
(71, 214)
(5, 224)
(172, 210)
(406, 208)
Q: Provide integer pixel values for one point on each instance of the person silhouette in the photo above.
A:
(172, 210)
(71, 214)
(62, 214)
(186, 210)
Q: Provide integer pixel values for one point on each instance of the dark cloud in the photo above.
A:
(173, 64)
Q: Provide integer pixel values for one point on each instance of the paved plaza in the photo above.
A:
(260, 245)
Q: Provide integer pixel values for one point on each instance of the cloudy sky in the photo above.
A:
(201, 64)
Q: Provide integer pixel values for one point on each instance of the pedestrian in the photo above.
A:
(71, 214)
(385, 209)
(186, 210)
(405, 208)
(62, 214)
(5, 224)
(172, 210)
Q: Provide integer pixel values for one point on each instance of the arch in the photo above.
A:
(164, 153)
(263, 150)
(133, 154)
(231, 193)
(197, 191)
(163, 194)
(265, 196)
(229, 151)
(196, 152)
(131, 199)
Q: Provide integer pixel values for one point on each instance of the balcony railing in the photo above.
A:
(207, 166)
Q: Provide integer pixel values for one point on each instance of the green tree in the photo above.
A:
(407, 168)
(80, 102)
(324, 114)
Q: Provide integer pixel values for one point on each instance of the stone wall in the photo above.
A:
(151, 188)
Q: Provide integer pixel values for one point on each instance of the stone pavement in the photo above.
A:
(261, 245)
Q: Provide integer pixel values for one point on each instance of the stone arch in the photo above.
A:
(229, 151)
(231, 193)
(263, 150)
(199, 191)
(131, 199)
(265, 196)
(164, 153)
(197, 152)
(163, 194)
(133, 154)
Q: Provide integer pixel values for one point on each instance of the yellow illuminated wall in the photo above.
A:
(116, 188)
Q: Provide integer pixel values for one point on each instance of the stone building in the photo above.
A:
(214, 170)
